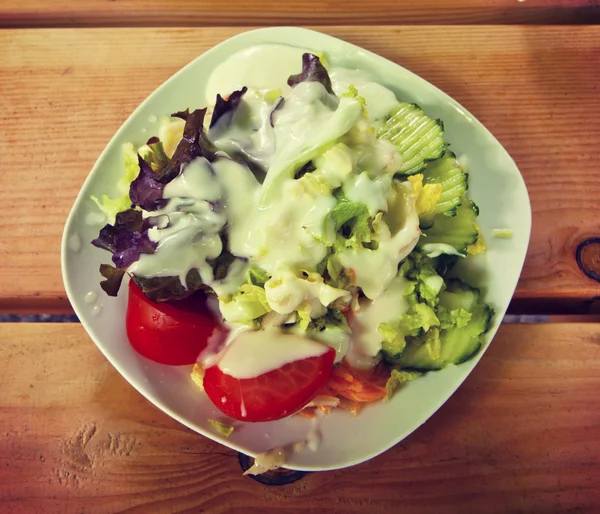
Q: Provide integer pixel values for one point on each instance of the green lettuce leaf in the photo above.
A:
(110, 207)
(420, 318)
(331, 329)
(420, 269)
(222, 428)
(397, 378)
(247, 304)
(257, 276)
(452, 318)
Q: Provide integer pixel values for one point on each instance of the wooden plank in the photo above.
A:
(63, 93)
(164, 13)
(521, 435)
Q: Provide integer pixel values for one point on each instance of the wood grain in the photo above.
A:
(63, 93)
(165, 13)
(521, 435)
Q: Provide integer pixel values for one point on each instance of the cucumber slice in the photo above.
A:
(454, 181)
(458, 295)
(460, 344)
(458, 231)
(437, 349)
(417, 137)
(423, 353)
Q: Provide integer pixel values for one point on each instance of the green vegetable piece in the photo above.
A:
(458, 231)
(247, 304)
(257, 276)
(417, 137)
(397, 378)
(454, 181)
(222, 428)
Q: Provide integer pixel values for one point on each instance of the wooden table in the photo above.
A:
(521, 435)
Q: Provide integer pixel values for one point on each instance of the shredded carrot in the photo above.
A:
(353, 388)
(325, 409)
(357, 385)
(308, 413)
(351, 406)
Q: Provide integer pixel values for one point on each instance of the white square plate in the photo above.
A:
(496, 185)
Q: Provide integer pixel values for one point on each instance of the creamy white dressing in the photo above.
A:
(335, 338)
(254, 353)
(373, 193)
(213, 351)
(286, 292)
(365, 342)
(90, 297)
(170, 133)
(282, 225)
(379, 99)
(262, 67)
(189, 226)
(314, 437)
(74, 242)
(283, 234)
(397, 238)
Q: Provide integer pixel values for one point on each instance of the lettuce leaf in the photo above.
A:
(278, 105)
(195, 143)
(257, 276)
(145, 191)
(397, 378)
(227, 106)
(428, 283)
(339, 276)
(420, 317)
(113, 278)
(353, 93)
(426, 196)
(127, 239)
(304, 311)
(352, 221)
(162, 289)
(452, 318)
(312, 71)
(247, 304)
(110, 207)
(222, 428)
(154, 154)
(287, 290)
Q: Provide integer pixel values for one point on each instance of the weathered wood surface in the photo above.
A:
(167, 13)
(520, 435)
(63, 93)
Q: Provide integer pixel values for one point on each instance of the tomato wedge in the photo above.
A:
(171, 333)
(273, 395)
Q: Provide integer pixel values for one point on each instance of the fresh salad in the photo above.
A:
(295, 242)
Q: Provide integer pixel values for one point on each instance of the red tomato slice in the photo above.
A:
(273, 395)
(170, 332)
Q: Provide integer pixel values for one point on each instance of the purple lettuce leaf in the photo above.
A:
(278, 105)
(195, 143)
(113, 276)
(127, 239)
(224, 106)
(145, 191)
(163, 289)
(312, 71)
(156, 157)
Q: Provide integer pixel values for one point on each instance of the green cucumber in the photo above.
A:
(454, 181)
(458, 231)
(417, 137)
(436, 349)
